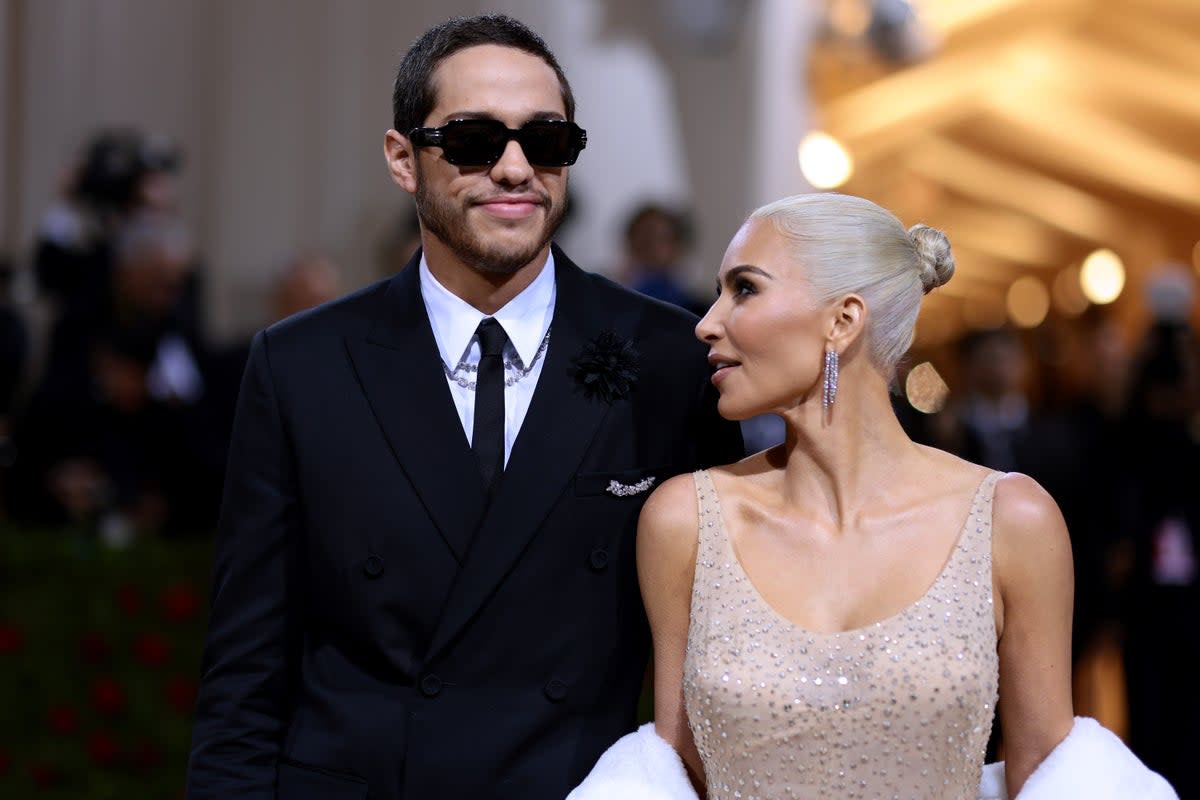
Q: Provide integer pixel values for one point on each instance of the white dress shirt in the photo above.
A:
(526, 319)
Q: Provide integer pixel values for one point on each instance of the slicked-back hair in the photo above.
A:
(414, 95)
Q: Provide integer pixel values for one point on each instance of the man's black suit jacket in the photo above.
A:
(375, 630)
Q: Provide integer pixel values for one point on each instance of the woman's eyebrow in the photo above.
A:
(742, 269)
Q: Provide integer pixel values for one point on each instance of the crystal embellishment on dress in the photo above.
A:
(630, 489)
(900, 708)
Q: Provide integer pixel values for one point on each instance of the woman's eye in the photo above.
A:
(743, 287)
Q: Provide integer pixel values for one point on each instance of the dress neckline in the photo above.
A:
(950, 559)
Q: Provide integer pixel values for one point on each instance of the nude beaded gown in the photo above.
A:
(900, 709)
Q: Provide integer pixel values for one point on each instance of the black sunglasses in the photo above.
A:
(481, 142)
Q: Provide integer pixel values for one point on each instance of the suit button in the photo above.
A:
(373, 566)
(555, 690)
(431, 685)
(598, 559)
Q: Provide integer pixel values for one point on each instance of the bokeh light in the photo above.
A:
(1102, 277)
(984, 311)
(925, 389)
(850, 18)
(823, 160)
(1028, 302)
(1069, 299)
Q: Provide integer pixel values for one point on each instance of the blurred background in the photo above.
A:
(176, 175)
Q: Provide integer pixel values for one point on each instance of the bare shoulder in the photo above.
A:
(669, 518)
(1025, 513)
(1028, 531)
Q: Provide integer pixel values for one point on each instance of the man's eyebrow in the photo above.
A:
(537, 115)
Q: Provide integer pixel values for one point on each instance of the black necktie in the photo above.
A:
(487, 438)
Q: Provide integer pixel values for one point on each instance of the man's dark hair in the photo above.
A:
(413, 95)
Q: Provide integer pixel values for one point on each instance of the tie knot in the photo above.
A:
(491, 337)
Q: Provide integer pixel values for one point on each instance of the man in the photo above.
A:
(424, 581)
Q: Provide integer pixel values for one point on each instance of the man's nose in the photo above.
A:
(513, 168)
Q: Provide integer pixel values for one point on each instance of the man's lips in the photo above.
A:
(511, 206)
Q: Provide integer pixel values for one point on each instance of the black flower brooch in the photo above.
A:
(607, 368)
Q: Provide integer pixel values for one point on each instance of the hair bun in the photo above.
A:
(933, 249)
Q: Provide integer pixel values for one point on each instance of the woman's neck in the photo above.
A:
(843, 458)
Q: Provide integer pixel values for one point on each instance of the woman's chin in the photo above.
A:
(738, 411)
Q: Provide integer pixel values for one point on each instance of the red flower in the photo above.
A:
(145, 755)
(94, 648)
(12, 639)
(129, 600)
(43, 775)
(181, 694)
(108, 697)
(180, 602)
(102, 747)
(152, 650)
(63, 720)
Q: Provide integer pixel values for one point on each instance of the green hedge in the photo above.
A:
(99, 656)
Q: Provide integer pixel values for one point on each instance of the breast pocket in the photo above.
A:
(302, 782)
(631, 483)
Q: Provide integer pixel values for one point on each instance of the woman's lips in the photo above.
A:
(722, 373)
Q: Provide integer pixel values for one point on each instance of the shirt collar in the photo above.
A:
(525, 318)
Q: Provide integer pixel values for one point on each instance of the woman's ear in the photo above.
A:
(401, 160)
(848, 323)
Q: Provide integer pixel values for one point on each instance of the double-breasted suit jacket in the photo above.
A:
(378, 629)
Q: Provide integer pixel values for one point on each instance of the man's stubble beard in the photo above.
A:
(450, 224)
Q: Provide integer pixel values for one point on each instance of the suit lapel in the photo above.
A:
(554, 438)
(399, 368)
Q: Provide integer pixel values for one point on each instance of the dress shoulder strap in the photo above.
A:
(977, 536)
(710, 530)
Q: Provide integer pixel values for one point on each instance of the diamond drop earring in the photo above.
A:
(831, 379)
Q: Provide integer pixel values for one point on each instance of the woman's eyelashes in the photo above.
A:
(739, 287)
(743, 287)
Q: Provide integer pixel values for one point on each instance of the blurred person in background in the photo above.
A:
(1162, 653)
(1101, 454)
(120, 174)
(14, 360)
(657, 239)
(116, 434)
(999, 425)
(306, 281)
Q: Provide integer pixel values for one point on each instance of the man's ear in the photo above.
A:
(848, 323)
(401, 160)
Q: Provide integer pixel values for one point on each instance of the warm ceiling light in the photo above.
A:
(1028, 302)
(823, 160)
(934, 327)
(1102, 277)
(850, 18)
(983, 312)
(925, 389)
(1069, 299)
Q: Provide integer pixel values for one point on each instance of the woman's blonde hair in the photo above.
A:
(850, 245)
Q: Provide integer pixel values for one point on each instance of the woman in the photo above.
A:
(854, 601)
